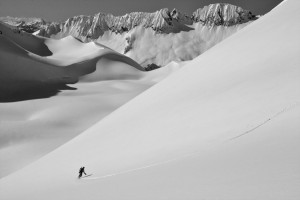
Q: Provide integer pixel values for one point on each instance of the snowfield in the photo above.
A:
(32, 68)
(224, 126)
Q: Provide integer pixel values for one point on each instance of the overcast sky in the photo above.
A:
(60, 10)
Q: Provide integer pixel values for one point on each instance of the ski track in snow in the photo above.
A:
(195, 153)
(140, 168)
(266, 121)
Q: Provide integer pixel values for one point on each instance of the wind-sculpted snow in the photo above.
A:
(35, 67)
(25, 40)
(52, 90)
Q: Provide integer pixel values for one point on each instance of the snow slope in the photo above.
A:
(224, 128)
(33, 68)
(54, 62)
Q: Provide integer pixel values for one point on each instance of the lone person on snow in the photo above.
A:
(81, 171)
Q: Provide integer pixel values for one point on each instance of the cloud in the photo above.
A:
(146, 46)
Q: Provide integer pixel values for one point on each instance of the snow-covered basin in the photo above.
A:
(30, 129)
(226, 126)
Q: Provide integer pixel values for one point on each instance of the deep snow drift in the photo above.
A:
(222, 127)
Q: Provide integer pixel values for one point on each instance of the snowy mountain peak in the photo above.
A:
(30, 24)
(222, 14)
(180, 17)
(162, 21)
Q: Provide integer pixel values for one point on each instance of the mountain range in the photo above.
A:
(148, 37)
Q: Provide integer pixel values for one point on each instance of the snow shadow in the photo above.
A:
(30, 90)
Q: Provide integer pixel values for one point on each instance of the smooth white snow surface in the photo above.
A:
(226, 126)
(32, 128)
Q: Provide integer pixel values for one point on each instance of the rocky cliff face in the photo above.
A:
(222, 14)
(162, 21)
(145, 36)
(91, 27)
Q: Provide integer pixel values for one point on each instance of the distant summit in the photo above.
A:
(151, 39)
(222, 14)
(29, 25)
(162, 21)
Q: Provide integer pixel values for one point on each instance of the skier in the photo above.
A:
(81, 171)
